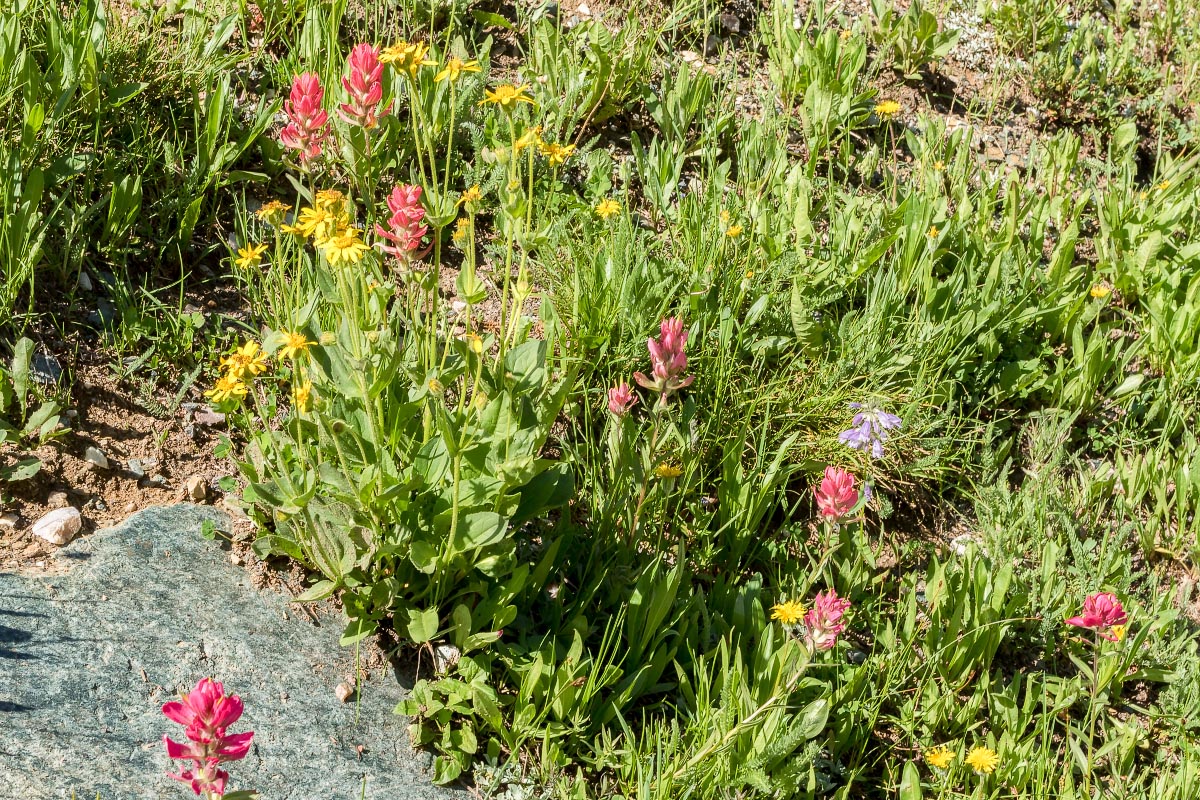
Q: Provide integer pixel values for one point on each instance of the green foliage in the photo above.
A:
(912, 37)
(24, 422)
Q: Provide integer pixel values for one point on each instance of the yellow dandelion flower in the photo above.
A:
(531, 136)
(734, 231)
(724, 216)
(507, 96)
(273, 212)
(250, 256)
(933, 232)
(247, 360)
(436, 387)
(407, 57)
(939, 165)
(1162, 187)
(668, 470)
(556, 153)
(302, 396)
(940, 756)
(845, 34)
(1100, 291)
(887, 109)
(344, 247)
(607, 207)
(293, 344)
(454, 69)
(983, 760)
(790, 612)
(228, 387)
(1120, 631)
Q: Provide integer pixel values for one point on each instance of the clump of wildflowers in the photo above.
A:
(668, 361)
(308, 123)
(1103, 613)
(404, 228)
(836, 495)
(621, 399)
(364, 86)
(870, 429)
(206, 712)
(824, 622)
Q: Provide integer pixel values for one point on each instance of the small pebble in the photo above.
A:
(95, 456)
(195, 489)
(344, 692)
(59, 526)
(58, 500)
(8, 521)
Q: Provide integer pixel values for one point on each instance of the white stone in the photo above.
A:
(8, 521)
(59, 526)
(445, 656)
(95, 456)
(343, 692)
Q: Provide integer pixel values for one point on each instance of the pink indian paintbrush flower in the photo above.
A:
(364, 86)
(668, 360)
(1102, 612)
(824, 621)
(308, 124)
(836, 496)
(206, 712)
(404, 228)
(621, 399)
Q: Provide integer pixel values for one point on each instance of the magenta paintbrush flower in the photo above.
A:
(364, 86)
(205, 713)
(308, 124)
(824, 621)
(404, 228)
(668, 360)
(1102, 612)
(621, 399)
(836, 496)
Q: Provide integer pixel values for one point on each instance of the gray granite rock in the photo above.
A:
(143, 610)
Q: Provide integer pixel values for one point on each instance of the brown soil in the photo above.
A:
(104, 414)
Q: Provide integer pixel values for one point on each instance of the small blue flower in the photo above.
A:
(871, 427)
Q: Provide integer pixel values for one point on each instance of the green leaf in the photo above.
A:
(480, 529)
(357, 630)
(422, 625)
(318, 591)
(22, 357)
(24, 469)
(813, 718)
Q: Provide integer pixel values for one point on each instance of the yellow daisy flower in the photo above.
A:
(983, 760)
(317, 223)
(734, 231)
(302, 396)
(454, 69)
(250, 256)
(247, 360)
(472, 195)
(607, 207)
(507, 96)
(790, 612)
(407, 57)
(273, 212)
(344, 247)
(227, 388)
(1100, 291)
(531, 136)
(556, 153)
(460, 230)
(331, 200)
(293, 344)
